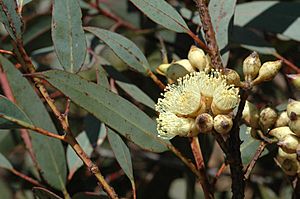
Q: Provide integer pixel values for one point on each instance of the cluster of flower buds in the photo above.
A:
(285, 127)
(255, 73)
(201, 101)
(197, 61)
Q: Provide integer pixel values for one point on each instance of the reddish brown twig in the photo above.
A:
(209, 34)
(195, 145)
(27, 178)
(155, 79)
(257, 154)
(7, 52)
(218, 174)
(287, 62)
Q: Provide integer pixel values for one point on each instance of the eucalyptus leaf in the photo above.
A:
(121, 152)
(110, 108)
(221, 12)
(11, 18)
(123, 47)
(42, 193)
(68, 35)
(162, 13)
(4, 163)
(49, 152)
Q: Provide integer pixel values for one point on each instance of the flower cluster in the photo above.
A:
(192, 95)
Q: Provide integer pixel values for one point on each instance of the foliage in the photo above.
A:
(89, 69)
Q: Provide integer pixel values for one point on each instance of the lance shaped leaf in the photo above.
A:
(11, 19)
(123, 47)
(110, 108)
(68, 35)
(49, 152)
(162, 13)
(4, 163)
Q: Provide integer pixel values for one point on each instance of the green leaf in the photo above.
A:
(221, 12)
(270, 16)
(4, 163)
(11, 19)
(8, 112)
(121, 152)
(5, 189)
(123, 47)
(136, 93)
(249, 145)
(42, 193)
(162, 13)
(68, 35)
(49, 152)
(266, 192)
(74, 161)
(110, 108)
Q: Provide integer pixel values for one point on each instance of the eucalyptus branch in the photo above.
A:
(68, 137)
(209, 32)
(195, 145)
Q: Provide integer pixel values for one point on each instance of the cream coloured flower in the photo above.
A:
(184, 101)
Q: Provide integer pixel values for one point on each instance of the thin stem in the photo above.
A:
(218, 174)
(155, 79)
(209, 34)
(198, 41)
(195, 145)
(90, 165)
(7, 52)
(257, 154)
(27, 178)
(287, 62)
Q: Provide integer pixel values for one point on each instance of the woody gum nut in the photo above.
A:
(223, 124)
(204, 123)
(293, 109)
(281, 132)
(282, 120)
(267, 118)
(267, 72)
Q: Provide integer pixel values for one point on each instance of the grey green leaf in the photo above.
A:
(49, 152)
(110, 108)
(68, 35)
(4, 163)
(123, 47)
(121, 152)
(11, 18)
(162, 13)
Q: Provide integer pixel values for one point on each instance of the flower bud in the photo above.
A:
(295, 126)
(288, 162)
(250, 115)
(197, 58)
(281, 132)
(295, 79)
(204, 123)
(179, 69)
(267, 71)
(223, 124)
(289, 143)
(251, 66)
(232, 77)
(293, 109)
(282, 120)
(267, 118)
(162, 69)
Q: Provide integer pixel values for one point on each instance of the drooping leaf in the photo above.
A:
(68, 35)
(136, 93)
(4, 163)
(74, 161)
(121, 152)
(271, 16)
(222, 14)
(249, 145)
(42, 193)
(123, 47)
(162, 13)
(10, 110)
(108, 107)
(11, 19)
(95, 130)
(49, 152)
